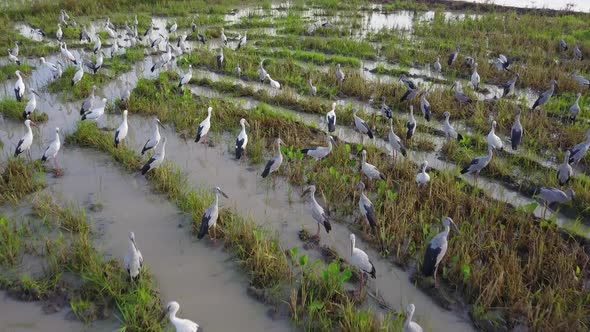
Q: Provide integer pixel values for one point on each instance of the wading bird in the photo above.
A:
(581, 79)
(549, 196)
(437, 67)
(95, 113)
(410, 94)
(78, 75)
(409, 325)
(410, 85)
(577, 52)
(545, 96)
(31, 104)
(51, 66)
(24, 144)
(516, 132)
(475, 79)
(157, 158)
(210, 216)
(453, 56)
(219, 58)
(180, 324)
(361, 125)
(493, 139)
(95, 66)
(575, 108)
(155, 138)
(312, 89)
(274, 84)
(565, 171)
(238, 70)
(339, 75)
(121, 132)
(386, 110)
(67, 54)
(97, 44)
(127, 93)
(88, 103)
(422, 178)
(450, 132)
(562, 45)
(261, 72)
(461, 97)
(59, 34)
(436, 250)
(173, 27)
(52, 150)
(243, 40)
(242, 139)
(186, 78)
(411, 124)
(201, 38)
(223, 37)
(395, 142)
(12, 58)
(360, 260)
(366, 208)
(14, 51)
(477, 164)
(275, 162)
(204, 127)
(193, 26)
(133, 261)
(331, 118)
(84, 36)
(425, 106)
(508, 87)
(370, 170)
(19, 87)
(580, 149)
(503, 63)
(319, 152)
(317, 211)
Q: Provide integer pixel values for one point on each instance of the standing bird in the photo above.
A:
(461, 97)
(19, 87)
(121, 132)
(186, 78)
(78, 75)
(133, 261)
(238, 70)
(223, 37)
(51, 66)
(580, 149)
(502, 63)
(549, 196)
(12, 58)
(544, 97)
(274, 84)
(52, 150)
(581, 79)
(410, 94)
(331, 118)
(565, 171)
(366, 208)
(361, 125)
(407, 82)
(173, 27)
(201, 38)
(194, 26)
(155, 138)
(242, 139)
(395, 142)
(319, 152)
(127, 93)
(437, 247)
(516, 132)
(339, 75)
(157, 158)
(180, 324)
(475, 79)
(261, 72)
(219, 58)
(477, 164)
(425, 106)
(372, 172)
(409, 325)
(577, 52)
(575, 108)
(25, 143)
(422, 178)
(97, 44)
(562, 45)
(360, 260)
(450, 132)
(59, 34)
(67, 54)
(84, 36)
(386, 110)
(453, 56)
(31, 105)
(312, 89)
(411, 124)
(95, 113)
(14, 51)
(204, 127)
(274, 163)
(210, 216)
(88, 103)
(242, 41)
(508, 87)
(95, 66)
(437, 67)
(317, 211)
(493, 139)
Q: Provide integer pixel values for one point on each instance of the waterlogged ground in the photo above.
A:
(203, 277)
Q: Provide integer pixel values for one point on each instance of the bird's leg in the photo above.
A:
(435, 281)
(317, 234)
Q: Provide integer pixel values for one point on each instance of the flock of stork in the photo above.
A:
(437, 246)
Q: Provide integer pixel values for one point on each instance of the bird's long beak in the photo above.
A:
(161, 125)
(247, 124)
(455, 227)
(224, 194)
(305, 192)
(35, 92)
(164, 312)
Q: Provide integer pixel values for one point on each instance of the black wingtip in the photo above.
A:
(239, 152)
(373, 272)
(370, 134)
(404, 152)
(327, 226)
(459, 137)
(145, 169)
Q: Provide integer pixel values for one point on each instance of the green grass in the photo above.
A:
(20, 178)
(12, 109)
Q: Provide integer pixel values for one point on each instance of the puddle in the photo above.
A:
(573, 5)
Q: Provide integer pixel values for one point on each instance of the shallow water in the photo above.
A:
(578, 5)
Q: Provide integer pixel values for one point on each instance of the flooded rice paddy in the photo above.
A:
(204, 277)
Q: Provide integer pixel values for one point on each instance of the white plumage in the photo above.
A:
(422, 178)
(575, 108)
(204, 127)
(180, 324)
(361, 125)
(88, 103)
(51, 66)
(360, 260)
(261, 72)
(187, 77)
(97, 44)
(157, 158)
(121, 132)
(450, 132)
(395, 142)
(317, 211)
(223, 37)
(580, 149)
(78, 75)
(24, 144)
(154, 139)
(59, 34)
(210, 216)
(370, 170)
(564, 171)
(274, 84)
(19, 86)
(31, 105)
(274, 163)
(95, 113)
(339, 74)
(53, 148)
(475, 79)
(409, 325)
(493, 139)
(331, 118)
(319, 152)
(67, 54)
(242, 140)
(133, 260)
